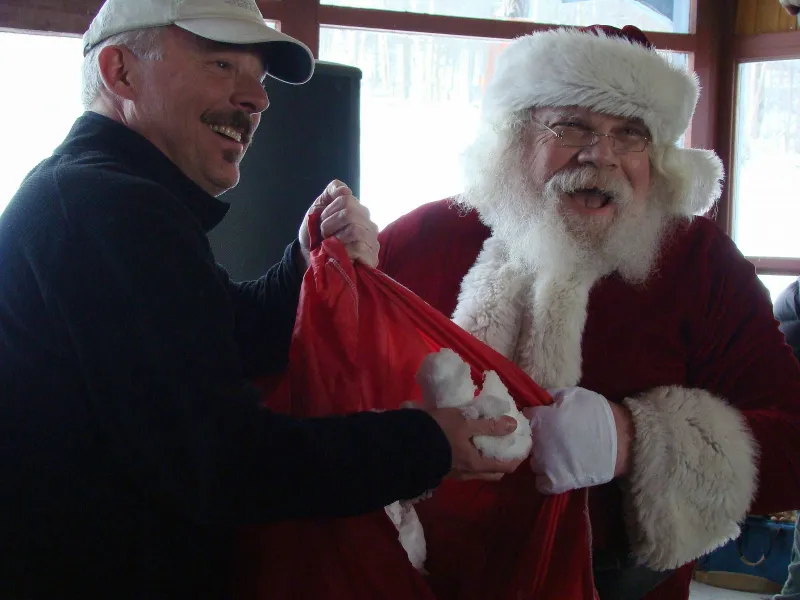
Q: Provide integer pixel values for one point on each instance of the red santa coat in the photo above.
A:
(702, 324)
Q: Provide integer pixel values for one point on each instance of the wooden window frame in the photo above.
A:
(745, 49)
(714, 50)
(303, 19)
(710, 22)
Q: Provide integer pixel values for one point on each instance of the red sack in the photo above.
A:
(358, 342)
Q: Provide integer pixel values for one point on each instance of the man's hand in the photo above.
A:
(344, 217)
(580, 440)
(468, 463)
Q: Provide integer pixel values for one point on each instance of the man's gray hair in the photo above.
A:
(144, 43)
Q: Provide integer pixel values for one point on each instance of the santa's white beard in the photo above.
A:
(544, 237)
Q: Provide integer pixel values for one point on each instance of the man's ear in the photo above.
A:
(116, 64)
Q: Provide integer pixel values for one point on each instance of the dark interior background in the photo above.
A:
(308, 136)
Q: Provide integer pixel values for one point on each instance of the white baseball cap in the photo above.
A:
(228, 21)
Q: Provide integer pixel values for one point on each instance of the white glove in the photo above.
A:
(574, 441)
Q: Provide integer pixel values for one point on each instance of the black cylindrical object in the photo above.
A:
(308, 136)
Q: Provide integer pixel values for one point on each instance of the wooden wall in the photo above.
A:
(763, 16)
(68, 16)
(752, 16)
(74, 16)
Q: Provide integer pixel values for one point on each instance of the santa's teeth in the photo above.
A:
(594, 201)
(227, 131)
(593, 198)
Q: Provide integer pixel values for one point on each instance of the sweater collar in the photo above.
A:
(95, 132)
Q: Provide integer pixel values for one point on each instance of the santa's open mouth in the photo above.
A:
(592, 198)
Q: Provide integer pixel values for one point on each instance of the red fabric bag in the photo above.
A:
(358, 341)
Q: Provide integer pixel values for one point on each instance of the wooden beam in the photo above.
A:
(273, 10)
(74, 16)
(746, 11)
(48, 16)
(388, 20)
(762, 16)
(301, 21)
(767, 16)
(767, 46)
(775, 266)
(713, 121)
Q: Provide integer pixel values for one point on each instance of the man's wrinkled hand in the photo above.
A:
(343, 217)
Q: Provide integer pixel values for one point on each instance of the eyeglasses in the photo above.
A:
(577, 136)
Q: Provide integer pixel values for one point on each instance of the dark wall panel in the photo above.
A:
(308, 136)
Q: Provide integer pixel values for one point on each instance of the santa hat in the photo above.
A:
(617, 72)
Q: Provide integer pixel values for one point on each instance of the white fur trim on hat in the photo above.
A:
(694, 475)
(696, 179)
(564, 67)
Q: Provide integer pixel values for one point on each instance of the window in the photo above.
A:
(421, 89)
(776, 283)
(420, 104)
(767, 159)
(41, 99)
(648, 15)
(766, 203)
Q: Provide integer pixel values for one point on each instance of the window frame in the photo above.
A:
(745, 49)
(302, 19)
(712, 47)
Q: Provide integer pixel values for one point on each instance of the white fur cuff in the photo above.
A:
(693, 478)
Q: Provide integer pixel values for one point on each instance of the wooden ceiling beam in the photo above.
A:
(72, 17)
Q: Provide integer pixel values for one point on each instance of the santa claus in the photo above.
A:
(575, 250)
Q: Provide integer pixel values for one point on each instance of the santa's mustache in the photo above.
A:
(617, 188)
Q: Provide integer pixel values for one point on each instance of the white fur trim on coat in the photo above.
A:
(694, 475)
(536, 321)
(491, 299)
(549, 348)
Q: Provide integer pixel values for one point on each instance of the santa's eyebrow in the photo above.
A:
(556, 115)
(564, 115)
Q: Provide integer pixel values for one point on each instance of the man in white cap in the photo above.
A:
(131, 448)
(579, 256)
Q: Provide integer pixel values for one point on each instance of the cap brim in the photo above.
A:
(287, 59)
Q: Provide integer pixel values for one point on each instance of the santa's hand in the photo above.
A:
(576, 441)
(344, 217)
